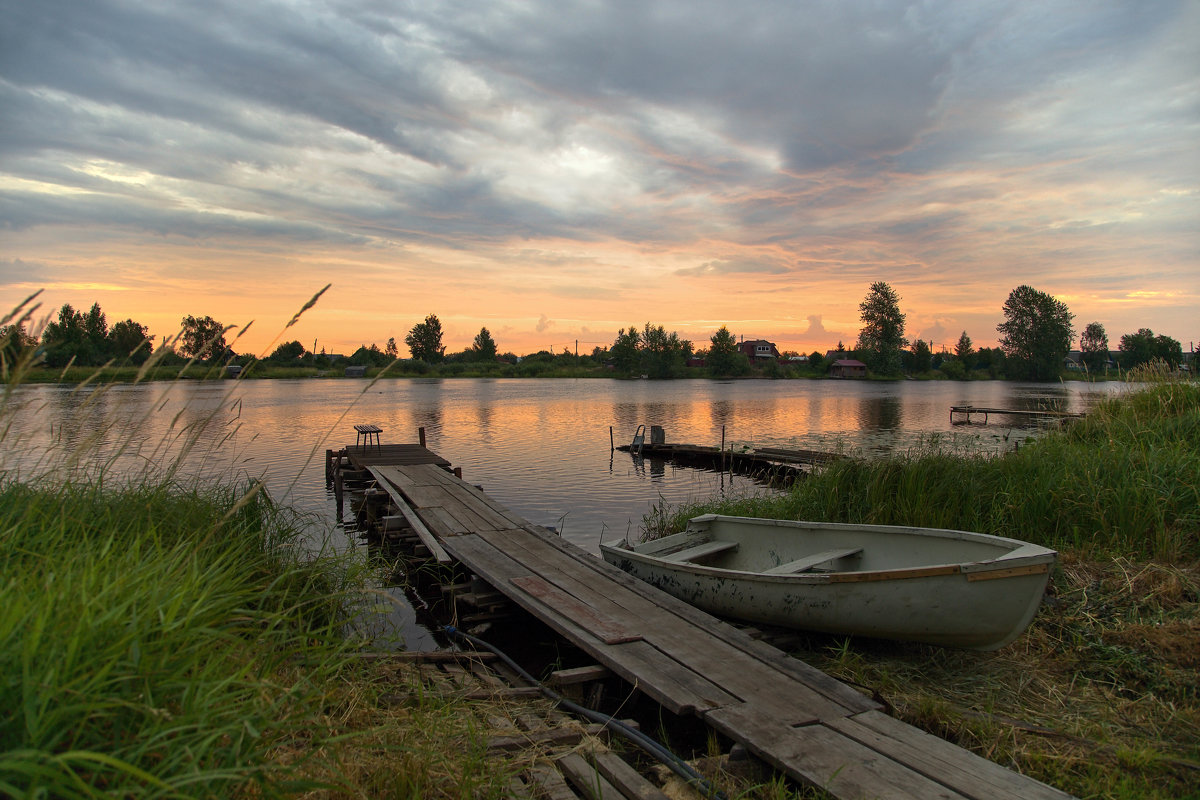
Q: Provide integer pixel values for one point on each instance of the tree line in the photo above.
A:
(1035, 339)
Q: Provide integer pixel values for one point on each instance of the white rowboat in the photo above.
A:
(944, 587)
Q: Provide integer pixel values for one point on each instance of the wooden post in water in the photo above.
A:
(612, 445)
(722, 448)
(328, 467)
(421, 436)
(337, 487)
(458, 473)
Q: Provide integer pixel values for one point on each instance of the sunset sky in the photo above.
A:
(557, 170)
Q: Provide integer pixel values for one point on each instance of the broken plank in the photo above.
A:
(587, 779)
(628, 780)
(551, 783)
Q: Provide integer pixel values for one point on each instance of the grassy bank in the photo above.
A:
(166, 642)
(1100, 696)
(1124, 481)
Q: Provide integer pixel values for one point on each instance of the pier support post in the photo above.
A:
(328, 467)
(421, 436)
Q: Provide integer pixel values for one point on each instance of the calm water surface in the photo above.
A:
(542, 447)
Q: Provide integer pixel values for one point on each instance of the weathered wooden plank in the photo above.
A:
(936, 758)
(410, 516)
(608, 630)
(587, 779)
(820, 757)
(810, 561)
(735, 671)
(675, 686)
(442, 522)
(698, 551)
(577, 675)
(550, 782)
(620, 774)
(447, 492)
(830, 687)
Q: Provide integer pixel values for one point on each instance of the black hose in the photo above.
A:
(654, 748)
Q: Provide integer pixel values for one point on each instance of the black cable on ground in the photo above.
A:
(654, 748)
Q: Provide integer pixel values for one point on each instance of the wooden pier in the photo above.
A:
(1011, 412)
(772, 464)
(797, 719)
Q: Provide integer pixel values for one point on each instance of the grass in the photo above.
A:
(162, 638)
(1100, 696)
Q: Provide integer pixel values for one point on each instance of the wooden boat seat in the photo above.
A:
(700, 551)
(812, 561)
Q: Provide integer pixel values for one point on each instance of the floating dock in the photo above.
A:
(799, 720)
(968, 411)
(771, 464)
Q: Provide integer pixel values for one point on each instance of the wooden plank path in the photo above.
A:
(800, 720)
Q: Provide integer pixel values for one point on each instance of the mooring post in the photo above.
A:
(421, 436)
(458, 473)
(722, 448)
(612, 446)
(328, 467)
(337, 488)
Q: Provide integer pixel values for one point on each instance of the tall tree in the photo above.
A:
(882, 336)
(130, 341)
(63, 338)
(483, 348)
(1093, 344)
(921, 359)
(1036, 334)
(390, 349)
(425, 340)
(965, 350)
(202, 338)
(1143, 347)
(724, 358)
(288, 353)
(663, 354)
(625, 350)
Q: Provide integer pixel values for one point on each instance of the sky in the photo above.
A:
(555, 171)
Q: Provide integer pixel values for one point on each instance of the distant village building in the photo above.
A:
(356, 372)
(848, 368)
(759, 350)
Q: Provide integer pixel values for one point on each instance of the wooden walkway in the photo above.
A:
(801, 721)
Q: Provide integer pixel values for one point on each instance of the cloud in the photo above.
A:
(733, 267)
(544, 323)
(628, 144)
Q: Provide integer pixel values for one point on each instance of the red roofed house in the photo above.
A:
(759, 350)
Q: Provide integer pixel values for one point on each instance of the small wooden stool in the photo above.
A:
(365, 432)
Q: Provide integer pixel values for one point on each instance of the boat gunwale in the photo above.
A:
(1022, 559)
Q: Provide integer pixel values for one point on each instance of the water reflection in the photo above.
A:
(540, 447)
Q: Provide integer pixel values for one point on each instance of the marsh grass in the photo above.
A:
(1124, 481)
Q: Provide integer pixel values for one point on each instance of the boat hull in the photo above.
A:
(978, 603)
